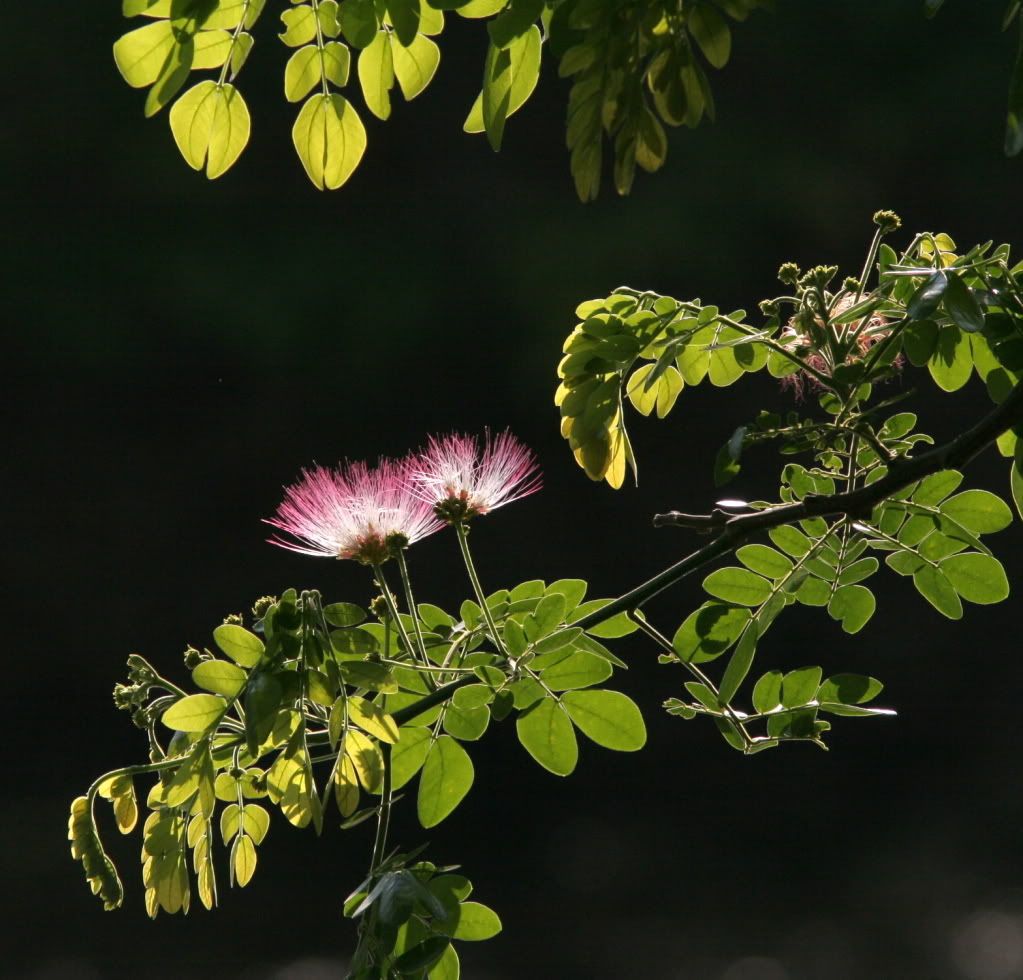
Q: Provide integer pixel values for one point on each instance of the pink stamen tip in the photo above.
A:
(350, 510)
(457, 467)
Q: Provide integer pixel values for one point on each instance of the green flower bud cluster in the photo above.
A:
(887, 221)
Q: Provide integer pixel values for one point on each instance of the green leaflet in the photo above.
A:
(473, 922)
(738, 585)
(219, 677)
(516, 75)
(195, 713)
(376, 75)
(608, 718)
(977, 578)
(330, 140)
(415, 65)
(211, 127)
(408, 756)
(853, 605)
(546, 733)
(239, 644)
(446, 778)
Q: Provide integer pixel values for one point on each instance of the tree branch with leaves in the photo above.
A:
(311, 706)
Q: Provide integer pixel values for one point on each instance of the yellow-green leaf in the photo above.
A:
(482, 8)
(238, 643)
(365, 756)
(240, 53)
(220, 677)
(373, 719)
(302, 73)
(211, 126)
(376, 75)
(140, 54)
(212, 49)
(300, 25)
(447, 776)
(524, 54)
(337, 61)
(346, 787)
(330, 140)
(243, 860)
(195, 713)
(415, 65)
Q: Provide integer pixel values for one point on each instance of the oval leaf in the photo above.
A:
(220, 677)
(738, 585)
(195, 713)
(447, 777)
(330, 140)
(211, 127)
(609, 718)
(977, 578)
(239, 644)
(546, 733)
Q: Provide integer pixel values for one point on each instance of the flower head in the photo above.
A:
(353, 511)
(808, 339)
(462, 479)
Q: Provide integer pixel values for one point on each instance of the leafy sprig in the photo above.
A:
(315, 701)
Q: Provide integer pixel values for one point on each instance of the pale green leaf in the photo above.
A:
(376, 75)
(977, 578)
(140, 54)
(372, 719)
(935, 587)
(302, 73)
(738, 585)
(524, 66)
(546, 733)
(300, 25)
(978, 511)
(239, 644)
(609, 718)
(446, 778)
(220, 677)
(408, 756)
(195, 713)
(471, 922)
(415, 65)
(853, 605)
(330, 140)
(337, 60)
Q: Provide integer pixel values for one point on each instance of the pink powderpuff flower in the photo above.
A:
(463, 480)
(353, 511)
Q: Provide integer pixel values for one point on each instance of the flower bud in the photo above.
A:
(192, 657)
(887, 221)
(234, 619)
(262, 605)
(789, 273)
(139, 671)
(819, 276)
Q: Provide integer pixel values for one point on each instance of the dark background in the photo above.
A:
(178, 349)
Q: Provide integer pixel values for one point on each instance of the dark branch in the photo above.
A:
(954, 454)
(734, 529)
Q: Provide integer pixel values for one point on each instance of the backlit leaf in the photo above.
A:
(976, 577)
(446, 778)
(330, 140)
(211, 127)
(194, 713)
(609, 718)
(546, 733)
